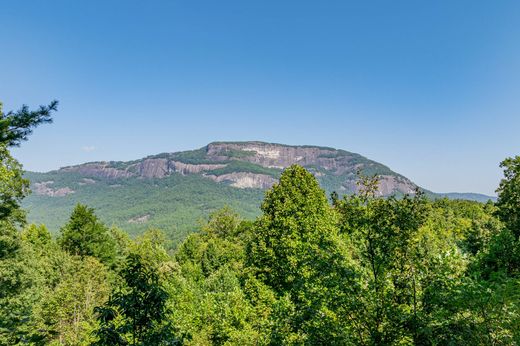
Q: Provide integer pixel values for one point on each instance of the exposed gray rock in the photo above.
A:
(186, 168)
(328, 164)
(283, 156)
(140, 219)
(272, 155)
(43, 188)
(100, 170)
(153, 168)
(245, 180)
(389, 184)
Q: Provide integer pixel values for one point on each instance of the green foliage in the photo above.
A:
(13, 282)
(123, 164)
(364, 271)
(296, 250)
(85, 235)
(502, 256)
(509, 195)
(223, 223)
(13, 187)
(470, 224)
(17, 277)
(236, 153)
(37, 235)
(9, 240)
(65, 314)
(386, 238)
(136, 313)
(220, 243)
(151, 246)
(51, 295)
(193, 156)
(295, 213)
(174, 204)
(210, 303)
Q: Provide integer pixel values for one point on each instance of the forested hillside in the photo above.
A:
(359, 269)
(174, 204)
(173, 191)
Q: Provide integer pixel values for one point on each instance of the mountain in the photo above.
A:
(478, 197)
(172, 191)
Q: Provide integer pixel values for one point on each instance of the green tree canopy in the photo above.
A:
(509, 195)
(15, 278)
(13, 187)
(296, 250)
(296, 223)
(15, 127)
(85, 235)
(136, 314)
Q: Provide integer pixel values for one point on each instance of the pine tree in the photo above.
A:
(85, 235)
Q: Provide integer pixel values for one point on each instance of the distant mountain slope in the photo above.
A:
(173, 204)
(252, 165)
(172, 191)
(469, 196)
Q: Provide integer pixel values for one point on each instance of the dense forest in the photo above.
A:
(310, 270)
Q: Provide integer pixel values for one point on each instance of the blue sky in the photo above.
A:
(431, 89)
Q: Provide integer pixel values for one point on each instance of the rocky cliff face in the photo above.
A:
(281, 156)
(186, 168)
(253, 165)
(153, 168)
(45, 188)
(98, 170)
(245, 180)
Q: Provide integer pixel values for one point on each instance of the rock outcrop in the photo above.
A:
(282, 156)
(153, 168)
(337, 167)
(245, 180)
(186, 168)
(140, 219)
(43, 188)
(99, 170)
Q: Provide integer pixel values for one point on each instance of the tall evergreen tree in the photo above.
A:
(85, 235)
(15, 127)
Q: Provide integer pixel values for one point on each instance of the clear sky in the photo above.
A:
(429, 88)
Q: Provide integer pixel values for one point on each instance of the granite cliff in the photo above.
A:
(253, 165)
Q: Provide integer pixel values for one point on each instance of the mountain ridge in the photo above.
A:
(261, 159)
(174, 190)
